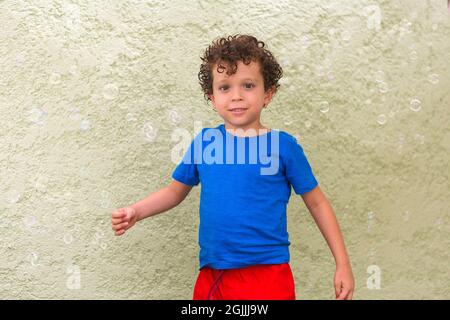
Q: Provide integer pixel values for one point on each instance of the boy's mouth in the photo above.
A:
(238, 110)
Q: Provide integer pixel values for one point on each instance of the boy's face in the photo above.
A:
(245, 90)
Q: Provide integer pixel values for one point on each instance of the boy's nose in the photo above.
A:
(236, 94)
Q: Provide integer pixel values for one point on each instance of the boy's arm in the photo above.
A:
(323, 214)
(161, 200)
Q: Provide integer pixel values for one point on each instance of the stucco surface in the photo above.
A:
(91, 92)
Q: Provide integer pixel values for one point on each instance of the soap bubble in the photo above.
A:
(304, 42)
(374, 17)
(74, 113)
(420, 138)
(413, 55)
(381, 119)
(324, 106)
(308, 123)
(439, 223)
(33, 257)
(29, 221)
(68, 238)
(131, 117)
(330, 75)
(83, 172)
(372, 252)
(433, 78)
(406, 216)
(105, 194)
(13, 196)
(345, 35)
(72, 17)
(415, 105)
(105, 203)
(20, 58)
(286, 81)
(383, 87)
(41, 183)
(110, 91)
(370, 221)
(320, 71)
(73, 69)
(37, 116)
(85, 125)
(379, 76)
(55, 78)
(286, 62)
(99, 239)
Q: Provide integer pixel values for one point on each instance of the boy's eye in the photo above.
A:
(247, 85)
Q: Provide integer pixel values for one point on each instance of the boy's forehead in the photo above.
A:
(251, 70)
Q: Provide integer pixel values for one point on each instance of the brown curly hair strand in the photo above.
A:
(231, 49)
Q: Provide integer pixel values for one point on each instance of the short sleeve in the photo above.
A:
(298, 171)
(186, 171)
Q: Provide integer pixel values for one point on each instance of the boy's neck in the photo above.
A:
(246, 131)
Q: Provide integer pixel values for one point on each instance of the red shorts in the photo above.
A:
(258, 282)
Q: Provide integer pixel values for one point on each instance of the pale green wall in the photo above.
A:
(82, 82)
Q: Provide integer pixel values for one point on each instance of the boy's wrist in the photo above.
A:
(343, 262)
(136, 210)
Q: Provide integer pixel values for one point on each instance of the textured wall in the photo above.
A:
(90, 93)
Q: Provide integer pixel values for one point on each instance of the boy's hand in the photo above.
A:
(344, 283)
(123, 219)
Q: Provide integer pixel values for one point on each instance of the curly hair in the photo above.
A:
(231, 49)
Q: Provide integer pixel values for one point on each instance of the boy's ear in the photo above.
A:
(269, 94)
(211, 97)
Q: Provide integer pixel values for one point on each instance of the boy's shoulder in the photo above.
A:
(288, 140)
(287, 136)
(288, 144)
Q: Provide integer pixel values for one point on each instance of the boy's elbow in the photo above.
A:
(181, 190)
(314, 198)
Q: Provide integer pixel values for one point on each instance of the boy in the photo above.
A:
(243, 234)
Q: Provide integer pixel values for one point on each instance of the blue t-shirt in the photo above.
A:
(245, 188)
